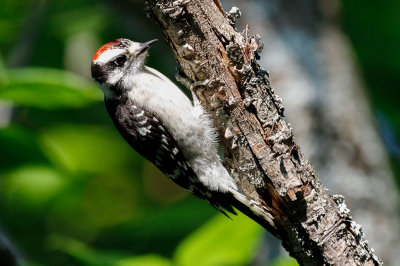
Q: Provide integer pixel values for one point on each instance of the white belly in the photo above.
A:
(190, 126)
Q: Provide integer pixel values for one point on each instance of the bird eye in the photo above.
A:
(120, 60)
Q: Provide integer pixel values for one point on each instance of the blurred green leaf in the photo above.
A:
(284, 261)
(224, 241)
(145, 260)
(48, 88)
(158, 229)
(33, 184)
(91, 256)
(82, 251)
(83, 148)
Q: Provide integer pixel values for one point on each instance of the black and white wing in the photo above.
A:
(149, 137)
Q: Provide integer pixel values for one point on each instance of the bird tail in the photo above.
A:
(253, 210)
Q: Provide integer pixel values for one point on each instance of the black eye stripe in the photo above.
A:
(120, 60)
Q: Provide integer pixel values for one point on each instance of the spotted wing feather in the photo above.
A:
(149, 137)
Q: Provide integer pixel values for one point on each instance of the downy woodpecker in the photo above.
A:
(161, 123)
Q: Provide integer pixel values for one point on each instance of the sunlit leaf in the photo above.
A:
(48, 88)
(220, 242)
(284, 261)
(83, 148)
(145, 260)
(33, 185)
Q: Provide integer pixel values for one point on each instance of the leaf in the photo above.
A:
(84, 148)
(145, 260)
(284, 261)
(47, 88)
(81, 251)
(33, 185)
(220, 242)
(91, 256)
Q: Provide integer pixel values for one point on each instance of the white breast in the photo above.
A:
(156, 93)
(190, 125)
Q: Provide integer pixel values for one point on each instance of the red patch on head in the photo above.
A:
(105, 47)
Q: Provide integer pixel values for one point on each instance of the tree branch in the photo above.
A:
(258, 143)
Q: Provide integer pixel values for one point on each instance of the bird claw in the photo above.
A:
(196, 84)
(180, 2)
(192, 86)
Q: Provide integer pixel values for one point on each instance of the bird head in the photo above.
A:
(118, 59)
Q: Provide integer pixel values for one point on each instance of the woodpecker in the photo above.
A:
(162, 124)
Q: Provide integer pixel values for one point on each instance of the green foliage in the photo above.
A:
(72, 189)
(90, 256)
(47, 183)
(284, 261)
(47, 88)
(145, 260)
(82, 252)
(217, 242)
(83, 148)
(72, 192)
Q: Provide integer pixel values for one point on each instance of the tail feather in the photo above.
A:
(253, 210)
(226, 201)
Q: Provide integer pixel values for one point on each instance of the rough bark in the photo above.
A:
(305, 46)
(258, 143)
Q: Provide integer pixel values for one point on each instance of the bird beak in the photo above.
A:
(145, 46)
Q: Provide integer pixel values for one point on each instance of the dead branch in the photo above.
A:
(258, 143)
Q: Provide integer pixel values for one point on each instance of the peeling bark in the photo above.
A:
(258, 143)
